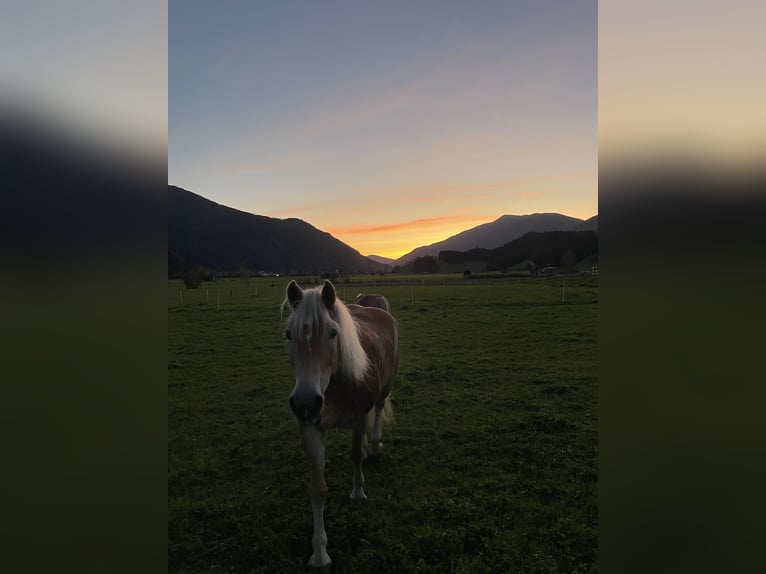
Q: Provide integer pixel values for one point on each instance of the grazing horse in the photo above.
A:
(373, 301)
(344, 358)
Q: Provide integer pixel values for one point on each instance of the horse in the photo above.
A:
(373, 301)
(344, 358)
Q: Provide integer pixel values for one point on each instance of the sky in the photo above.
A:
(390, 125)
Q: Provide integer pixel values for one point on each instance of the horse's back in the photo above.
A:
(375, 318)
(371, 300)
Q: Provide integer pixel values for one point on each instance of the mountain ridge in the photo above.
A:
(205, 234)
(223, 239)
(381, 259)
(497, 233)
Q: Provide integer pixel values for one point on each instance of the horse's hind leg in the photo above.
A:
(376, 444)
(357, 457)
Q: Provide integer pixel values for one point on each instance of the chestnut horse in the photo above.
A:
(373, 301)
(344, 358)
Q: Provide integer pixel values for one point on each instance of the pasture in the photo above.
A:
(490, 467)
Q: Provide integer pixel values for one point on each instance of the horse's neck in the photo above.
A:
(341, 379)
(349, 396)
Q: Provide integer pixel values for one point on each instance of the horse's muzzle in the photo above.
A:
(307, 407)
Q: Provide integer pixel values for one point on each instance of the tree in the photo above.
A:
(569, 261)
(425, 264)
(193, 276)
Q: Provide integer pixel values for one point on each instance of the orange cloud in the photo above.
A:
(396, 239)
(414, 223)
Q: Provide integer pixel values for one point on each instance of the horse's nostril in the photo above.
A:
(305, 408)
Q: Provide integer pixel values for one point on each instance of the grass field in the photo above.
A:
(490, 467)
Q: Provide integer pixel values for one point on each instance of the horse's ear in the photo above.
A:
(328, 294)
(294, 294)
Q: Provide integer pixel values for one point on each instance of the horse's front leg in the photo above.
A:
(314, 443)
(358, 455)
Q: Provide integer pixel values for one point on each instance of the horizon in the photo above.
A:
(391, 126)
(398, 255)
(405, 252)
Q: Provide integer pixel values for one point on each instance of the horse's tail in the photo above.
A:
(387, 414)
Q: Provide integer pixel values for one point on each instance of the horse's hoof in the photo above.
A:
(358, 494)
(320, 562)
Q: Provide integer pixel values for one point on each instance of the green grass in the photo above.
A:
(490, 467)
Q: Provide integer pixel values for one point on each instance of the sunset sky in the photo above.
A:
(389, 125)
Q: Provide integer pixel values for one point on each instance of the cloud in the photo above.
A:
(411, 224)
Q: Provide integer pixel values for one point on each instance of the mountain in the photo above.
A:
(548, 248)
(225, 240)
(496, 233)
(589, 224)
(381, 259)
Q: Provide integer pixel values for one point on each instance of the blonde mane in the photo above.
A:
(311, 313)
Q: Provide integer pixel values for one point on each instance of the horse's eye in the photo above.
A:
(333, 333)
(287, 335)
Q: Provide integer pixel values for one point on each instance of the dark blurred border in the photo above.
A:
(682, 274)
(84, 257)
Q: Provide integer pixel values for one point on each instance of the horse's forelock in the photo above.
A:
(307, 314)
